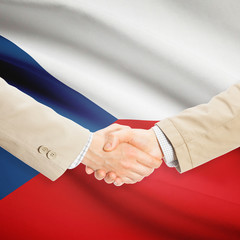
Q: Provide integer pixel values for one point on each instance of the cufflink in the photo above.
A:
(51, 155)
(43, 150)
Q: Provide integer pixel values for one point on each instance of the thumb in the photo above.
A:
(117, 137)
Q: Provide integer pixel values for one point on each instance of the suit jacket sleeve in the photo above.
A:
(206, 131)
(37, 135)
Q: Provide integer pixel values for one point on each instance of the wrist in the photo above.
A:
(87, 156)
(169, 155)
(156, 147)
(93, 157)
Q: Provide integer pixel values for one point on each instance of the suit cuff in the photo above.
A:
(170, 157)
(178, 143)
(80, 157)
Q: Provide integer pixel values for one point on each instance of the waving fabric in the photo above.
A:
(201, 204)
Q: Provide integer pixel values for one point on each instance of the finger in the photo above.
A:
(100, 174)
(135, 177)
(139, 170)
(128, 180)
(117, 137)
(113, 127)
(146, 159)
(150, 172)
(89, 170)
(131, 178)
(118, 182)
(138, 161)
(110, 177)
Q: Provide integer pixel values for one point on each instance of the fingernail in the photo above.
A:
(108, 146)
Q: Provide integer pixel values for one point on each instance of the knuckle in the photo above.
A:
(107, 180)
(149, 172)
(97, 177)
(158, 163)
(119, 180)
(142, 172)
(130, 153)
(101, 174)
(154, 163)
(111, 135)
(111, 177)
(129, 181)
(140, 179)
(115, 125)
(126, 164)
(145, 173)
(128, 132)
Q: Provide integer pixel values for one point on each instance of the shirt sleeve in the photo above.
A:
(80, 157)
(169, 157)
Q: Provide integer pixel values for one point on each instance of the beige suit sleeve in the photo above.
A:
(202, 133)
(37, 135)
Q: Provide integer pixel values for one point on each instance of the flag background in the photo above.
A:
(200, 204)
(138, 59)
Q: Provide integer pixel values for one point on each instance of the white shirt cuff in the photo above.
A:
(170, 157)
(80, 157)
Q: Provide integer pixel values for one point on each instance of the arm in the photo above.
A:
(206, 131)
(51, 143)
(195, 136)
(34, 133)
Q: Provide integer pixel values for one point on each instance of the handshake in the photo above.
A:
(119, 154)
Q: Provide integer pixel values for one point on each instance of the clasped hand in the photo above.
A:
(119, 154)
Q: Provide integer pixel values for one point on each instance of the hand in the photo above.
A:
(125, 161)
(144, 140)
